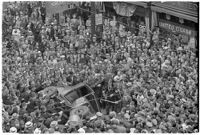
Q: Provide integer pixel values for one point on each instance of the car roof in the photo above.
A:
(63, 90)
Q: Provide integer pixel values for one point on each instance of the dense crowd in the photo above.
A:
(157, 80)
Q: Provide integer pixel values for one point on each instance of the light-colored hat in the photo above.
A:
(28, 124)
(115, 121)
(169, 39)
(13, 130)
(171, 118)
(113, 114)
(179, 49)
(166, 47)
(158, 131)
(53, 124)
(116, 78)
(51, 130)
(99, 114)
(144, 131)
(127, 116)
(99, 85)
(184, 126)
(153, 91)
(167, 61)
(129, 84)
(110, 131)
(15, 115)
(37, 131)
(94, 117)
(132, 130)
(154, 121)
(149, 124)
(161, 126)
(81, 130)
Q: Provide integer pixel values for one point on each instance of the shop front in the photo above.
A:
(184, 32)
(178, 18)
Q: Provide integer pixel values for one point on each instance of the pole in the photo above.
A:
(93, 12)
(150, 15)
(150, 20)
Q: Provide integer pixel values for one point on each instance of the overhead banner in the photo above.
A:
(176, 28)
(58, 7)
(124, 9)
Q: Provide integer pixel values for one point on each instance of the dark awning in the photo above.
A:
(142, 4)
(175, 11)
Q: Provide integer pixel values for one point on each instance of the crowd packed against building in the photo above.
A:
(155, 77)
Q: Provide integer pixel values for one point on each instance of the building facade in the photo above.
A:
(180, 18)
(175, 17)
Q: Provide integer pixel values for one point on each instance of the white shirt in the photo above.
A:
(16, 34)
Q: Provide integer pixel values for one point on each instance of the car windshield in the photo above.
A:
(75, 94)
(72, 96)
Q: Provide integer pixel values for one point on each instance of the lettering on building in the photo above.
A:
(175, 28)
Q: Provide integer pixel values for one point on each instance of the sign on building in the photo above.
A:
(176, 28)
(98, 19)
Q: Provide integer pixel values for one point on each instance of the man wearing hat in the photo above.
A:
(29, 127)
(37, 131)
(81, 130)
(13, 130)
(16, 34)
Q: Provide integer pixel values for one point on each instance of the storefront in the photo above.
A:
(185, 30)
(179, 18)
(182, 31)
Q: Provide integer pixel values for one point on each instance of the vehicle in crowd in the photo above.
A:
(75, 101)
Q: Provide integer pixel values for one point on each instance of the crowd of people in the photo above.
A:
(157, 80)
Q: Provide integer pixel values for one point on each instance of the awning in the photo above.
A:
(140, 11)
(189, 8)
(143, 4)
(175, 13)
